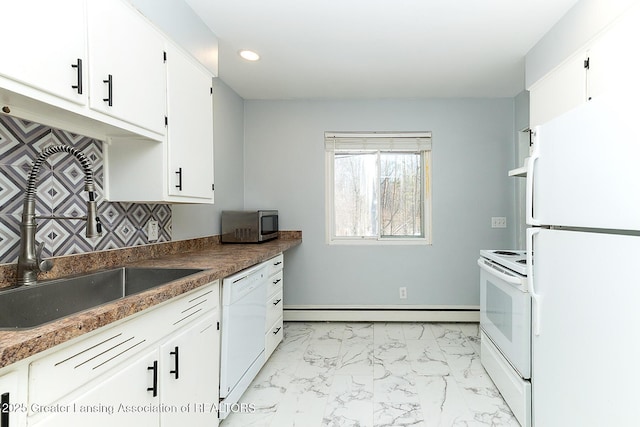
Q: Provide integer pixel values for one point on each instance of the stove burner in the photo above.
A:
(505, 253)
(522, 261)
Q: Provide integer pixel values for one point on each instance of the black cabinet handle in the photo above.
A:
(154, 368)
(4, 413)
(277, 281)
(277, 263)
(109, 82)
(177, 365)
(78, 67)
(277, 301)
(179, 173)
(276, 331)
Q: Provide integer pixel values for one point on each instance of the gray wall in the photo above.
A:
(472, 150)
(283, 168)
(583, 22)
(204, 220)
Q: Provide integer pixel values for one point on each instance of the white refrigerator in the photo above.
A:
(583, 248)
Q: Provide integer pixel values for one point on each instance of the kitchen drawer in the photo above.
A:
(273, 337)
(275, 264)
(274, 309)
(87, 357)
(274, 283)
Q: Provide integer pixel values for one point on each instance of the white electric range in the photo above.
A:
(505, 322)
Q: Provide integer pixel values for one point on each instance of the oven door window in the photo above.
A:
(505, 317)
(500, 310)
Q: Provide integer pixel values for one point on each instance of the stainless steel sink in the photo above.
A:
(31, 306)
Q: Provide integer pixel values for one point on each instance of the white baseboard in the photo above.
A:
(380, 314)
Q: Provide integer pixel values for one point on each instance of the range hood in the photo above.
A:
(523, 148)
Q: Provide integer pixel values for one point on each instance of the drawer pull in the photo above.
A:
(109, 98)
(179, 173)
(276, 302)
(154, 368)
(277, 263)
(277, 281)
(177, 365)
(277, 330)
(78, 67)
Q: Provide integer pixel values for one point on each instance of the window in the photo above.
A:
(378, 187)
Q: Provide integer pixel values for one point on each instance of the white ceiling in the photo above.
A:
(327, 49)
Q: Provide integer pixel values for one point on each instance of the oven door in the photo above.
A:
(505, 314)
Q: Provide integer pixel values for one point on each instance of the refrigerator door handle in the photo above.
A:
(535, 297)
(535, 155)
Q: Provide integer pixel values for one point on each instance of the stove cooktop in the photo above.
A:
(514, 260)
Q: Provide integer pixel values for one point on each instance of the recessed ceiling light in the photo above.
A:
(249, 55)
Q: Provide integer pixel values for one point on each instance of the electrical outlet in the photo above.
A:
(152, 230)
(403, 292)
(498, 222)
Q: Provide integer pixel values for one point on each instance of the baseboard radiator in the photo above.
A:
(309, 313)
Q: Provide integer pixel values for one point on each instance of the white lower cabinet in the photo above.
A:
(13, 388)
(189, 375)
(274, 324)
(118, 399)
(158, 369)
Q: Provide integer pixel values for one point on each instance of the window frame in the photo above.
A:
(426, 194)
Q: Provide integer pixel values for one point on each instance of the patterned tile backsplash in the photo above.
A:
(61, 192)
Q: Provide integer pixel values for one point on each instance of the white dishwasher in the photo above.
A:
(244, 311)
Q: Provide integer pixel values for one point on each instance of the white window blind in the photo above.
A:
(376, 141)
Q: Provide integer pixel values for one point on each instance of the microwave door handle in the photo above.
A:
(507, 278)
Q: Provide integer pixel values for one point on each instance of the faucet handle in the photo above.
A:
(43, 265)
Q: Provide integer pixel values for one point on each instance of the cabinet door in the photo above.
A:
(560, 91)
(118, 399)
(13, 402)
(613, 64)
(126, 65)
(190, 127)
(189, 376)
(42, 40)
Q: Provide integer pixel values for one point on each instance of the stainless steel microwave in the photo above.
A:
(249, 226)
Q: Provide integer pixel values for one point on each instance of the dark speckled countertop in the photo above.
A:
(217, 260)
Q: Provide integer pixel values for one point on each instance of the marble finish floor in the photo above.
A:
(374, 374)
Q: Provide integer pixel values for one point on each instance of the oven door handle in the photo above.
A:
(506, 277)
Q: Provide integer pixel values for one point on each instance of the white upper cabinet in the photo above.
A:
(44, 46)
(607, 63)
(126, 65)
(62, 59)
(613, 64)
(180, 169)
(559, 91)
(190, 127)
